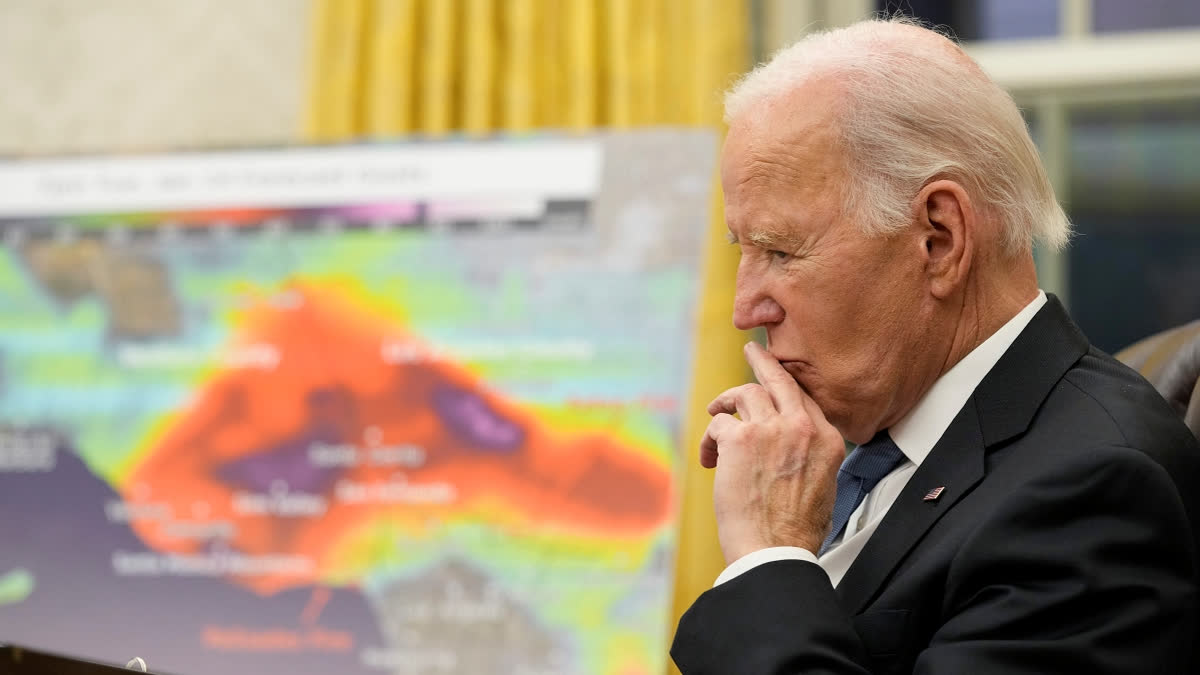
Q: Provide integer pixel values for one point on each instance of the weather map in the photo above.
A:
(432, 433)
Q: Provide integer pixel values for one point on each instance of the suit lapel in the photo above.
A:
(955, 463)
(1002, 407)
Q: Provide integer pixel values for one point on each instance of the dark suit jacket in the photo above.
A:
(1065, 542)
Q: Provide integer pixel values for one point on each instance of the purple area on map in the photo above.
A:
(331, 413)
(287, 461)
(468, 415)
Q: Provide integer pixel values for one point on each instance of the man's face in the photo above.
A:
(842, 312)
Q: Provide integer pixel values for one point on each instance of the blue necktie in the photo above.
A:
(865, 466)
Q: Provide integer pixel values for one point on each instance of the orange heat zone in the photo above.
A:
(248, 427)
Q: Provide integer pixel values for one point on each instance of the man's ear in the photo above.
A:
(947, 224)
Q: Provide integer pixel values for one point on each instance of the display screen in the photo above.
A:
(402, 409)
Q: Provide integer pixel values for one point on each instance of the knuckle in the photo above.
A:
(741, 434)
(721, 425)
(801, 426)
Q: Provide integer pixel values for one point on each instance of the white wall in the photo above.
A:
(87, 76)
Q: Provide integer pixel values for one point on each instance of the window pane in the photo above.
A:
(1009, 19)
(1118, 15)
(983, 19)
(1135, 264)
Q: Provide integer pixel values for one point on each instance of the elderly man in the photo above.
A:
(1018, 502)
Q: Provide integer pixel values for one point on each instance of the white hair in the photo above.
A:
(916, 108)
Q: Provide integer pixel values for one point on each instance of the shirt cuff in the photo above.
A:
(761, 557)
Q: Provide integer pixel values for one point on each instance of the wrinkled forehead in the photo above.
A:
(781, 159)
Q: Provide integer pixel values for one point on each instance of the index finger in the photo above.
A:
(783, 388)
(748, 400)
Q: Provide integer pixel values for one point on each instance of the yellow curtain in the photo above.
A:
(389, 68)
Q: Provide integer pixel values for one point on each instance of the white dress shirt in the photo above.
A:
(915, 435)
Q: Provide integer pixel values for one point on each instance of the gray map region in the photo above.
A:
(452, 620)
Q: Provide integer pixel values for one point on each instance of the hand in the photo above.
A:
(776, 467)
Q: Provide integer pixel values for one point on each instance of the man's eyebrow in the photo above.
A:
(768, 239)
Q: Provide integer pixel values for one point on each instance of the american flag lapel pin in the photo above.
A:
(932, 495)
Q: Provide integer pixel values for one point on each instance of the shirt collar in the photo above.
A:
(918, 431)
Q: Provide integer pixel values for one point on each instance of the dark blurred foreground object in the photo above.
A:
(1170, 360)
(16, 660)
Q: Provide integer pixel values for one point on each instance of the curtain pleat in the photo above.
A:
(390, 70)
(519, 72)
(437, 67)
(479, 74)
(581, 64)
(337, 64)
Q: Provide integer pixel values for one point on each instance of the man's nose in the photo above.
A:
(752, 307)
(748, 314)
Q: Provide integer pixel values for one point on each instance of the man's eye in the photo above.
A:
(779, 255)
